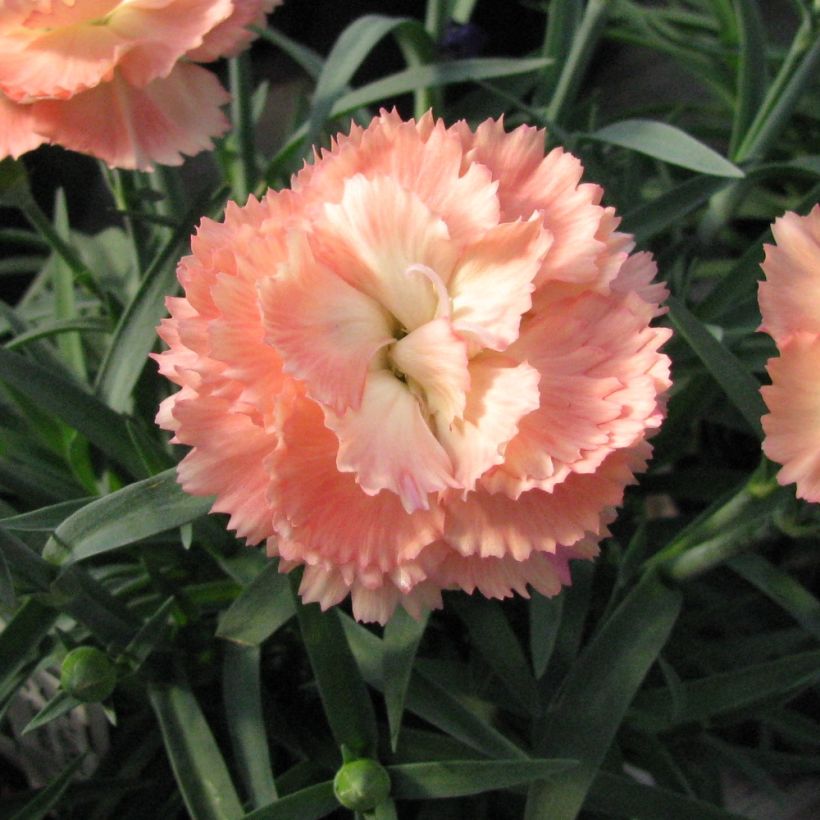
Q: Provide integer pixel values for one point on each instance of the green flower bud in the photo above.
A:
(361, 784)
(88, 675)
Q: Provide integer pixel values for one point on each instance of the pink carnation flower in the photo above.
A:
(790, 306)
(428, 365)
(114, 78)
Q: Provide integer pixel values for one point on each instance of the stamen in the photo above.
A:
(443, 308)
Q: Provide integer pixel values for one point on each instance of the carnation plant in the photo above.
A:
(386, 425)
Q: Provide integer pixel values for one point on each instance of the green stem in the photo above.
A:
(583, 45)
(244, 170)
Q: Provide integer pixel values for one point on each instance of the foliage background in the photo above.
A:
(678, 675)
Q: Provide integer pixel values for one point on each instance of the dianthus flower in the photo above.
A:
(790, 306)
(428, 365)
(116, 78)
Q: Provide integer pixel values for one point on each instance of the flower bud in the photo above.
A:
(361, 784)
(88, 675)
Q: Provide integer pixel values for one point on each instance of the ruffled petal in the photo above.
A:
(17, 129)
(375, 235)
(501, 394)
(389, 446)
(128, 127)
(435, 359)
(792, 426)
(790, 296)
(233, 35)
(326, 331)
(491, 286)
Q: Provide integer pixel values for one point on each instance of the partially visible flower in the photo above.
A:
(790, 306)
(115, 78)
(428, 365)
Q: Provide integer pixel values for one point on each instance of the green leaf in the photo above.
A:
(136, 332)
(304, 57)
(344, 695)
(25, 564)
(242, 696)
(670, 208)
(667, 143)
(64, 398)
(432, 75)
(308, 804)
(728, 692)
(58, 327)
(492, 637)
(7, 597)
(545, 619)
(46, 518)
(348, 52)
(19, 641)
(61, 703)
(585, 715)
(199, 769)
(402, 634)
(138, 511)
(741, 388)
(428, 699)
(48, 797)
(457, 778)
(616, 795)
(784, 590)
(263, 606)
(752, 76)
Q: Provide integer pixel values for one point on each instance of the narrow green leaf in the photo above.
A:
(741, 388)
(344, 695)
(752, 76)
(304, 57)
(667, 143)
(728, 692)
(61, 703)
(670, 208)
(263, 606)
(545, 618)
(585, 715)
(89, 602)
(242, 696)
(19, 641)
(784, 590)
(25, 564)
(311, 803)
(135, 333)
(432, 75)
(616, 795)
(402, 634)
(54, 393)
(198, 766)
(457, 778)
(59, 327)
(492, 637)
(7, 596)
(150, 635)
(48, 797)
(46, 518)
(428, 699)
(137, 511)
(349, 51)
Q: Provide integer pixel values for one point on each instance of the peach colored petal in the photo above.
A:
(129, 127)
(792, 426)
(374, 235)
(492, 283)
(17, 134)
(435, 358)
(790, 296)
(326, 331)
(425, 161)
(233, 35)
(386, 442)
(501, 394)
(323, 516)
(227, 461)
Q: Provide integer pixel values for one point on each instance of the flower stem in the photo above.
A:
(244, 170)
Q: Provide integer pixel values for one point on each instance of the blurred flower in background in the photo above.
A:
(116, 79)
(428, 365)
(790, 307)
